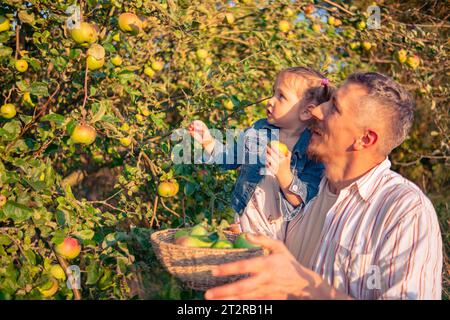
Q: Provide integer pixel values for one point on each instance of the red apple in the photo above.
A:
(69, 248)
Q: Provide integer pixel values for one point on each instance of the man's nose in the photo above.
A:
(317, 111)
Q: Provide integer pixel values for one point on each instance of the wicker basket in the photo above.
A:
(193, 265)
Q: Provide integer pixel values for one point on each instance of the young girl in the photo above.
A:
(272, 191)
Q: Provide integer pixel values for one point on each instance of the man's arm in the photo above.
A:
(276, 276)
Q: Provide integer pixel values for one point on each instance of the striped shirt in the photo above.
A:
(379, 240)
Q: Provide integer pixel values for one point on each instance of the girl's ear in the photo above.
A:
(305, 113)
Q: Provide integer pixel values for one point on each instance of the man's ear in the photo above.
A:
(369, 139)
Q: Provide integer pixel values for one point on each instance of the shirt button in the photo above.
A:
(294, 188)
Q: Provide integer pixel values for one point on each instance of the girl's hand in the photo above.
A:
(200, 132)
(280, 165)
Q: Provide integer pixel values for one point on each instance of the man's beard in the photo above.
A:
(313, 155)
(311, 152)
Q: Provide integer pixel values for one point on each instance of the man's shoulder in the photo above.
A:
(402, 198)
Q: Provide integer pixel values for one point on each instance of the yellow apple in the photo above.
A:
(8, 111)
(316, 27)
(361, 25)
(49, 288)
(116, 60)
(401, 56)
(125, 141)
(202, 53)
(5, 25)
(366, 45)
(331, 20)
(129, 22)
(83, 134)
(157, 65)
(85, 34)
(125, 127)
(94, 64)
(21, 65)
(284, 26)
(229, 18)
(149, 72)
(413, 61)
(280, 147)
(168, 188)
(57, 272)
(228, 104)
(3, 200)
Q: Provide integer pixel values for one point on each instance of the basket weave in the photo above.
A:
(193, 265)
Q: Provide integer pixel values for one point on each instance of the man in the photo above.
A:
(369, 233)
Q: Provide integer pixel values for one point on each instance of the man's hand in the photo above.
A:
(276, 276)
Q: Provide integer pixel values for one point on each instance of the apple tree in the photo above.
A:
(91, 92)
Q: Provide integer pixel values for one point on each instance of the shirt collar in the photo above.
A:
(367, 183)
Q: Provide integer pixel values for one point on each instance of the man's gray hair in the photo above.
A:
(398, 103)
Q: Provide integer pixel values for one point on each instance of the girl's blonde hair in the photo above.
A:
(319, 89)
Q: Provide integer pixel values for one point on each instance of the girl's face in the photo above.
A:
(284, 106)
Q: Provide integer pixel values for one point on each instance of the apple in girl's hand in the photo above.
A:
(280, 147)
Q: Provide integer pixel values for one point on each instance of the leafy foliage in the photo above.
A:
(43, 173)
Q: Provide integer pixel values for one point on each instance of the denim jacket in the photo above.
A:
(307, 173)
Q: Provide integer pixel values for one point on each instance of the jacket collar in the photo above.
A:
(302, 143)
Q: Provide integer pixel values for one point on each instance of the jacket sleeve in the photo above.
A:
(232, 154)
(306, 185)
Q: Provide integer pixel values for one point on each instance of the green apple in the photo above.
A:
(222, 244)
(242, 242)
(199, 230)
(193, 242)
(84, 134)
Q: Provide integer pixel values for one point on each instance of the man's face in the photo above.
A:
(334, 129)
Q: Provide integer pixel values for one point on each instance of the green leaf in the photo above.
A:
(17, 212)
(58, 236)
(92, 273)
(10, 130)
(5, 51)
(85, 234)
(39, 89)
(54, 117)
